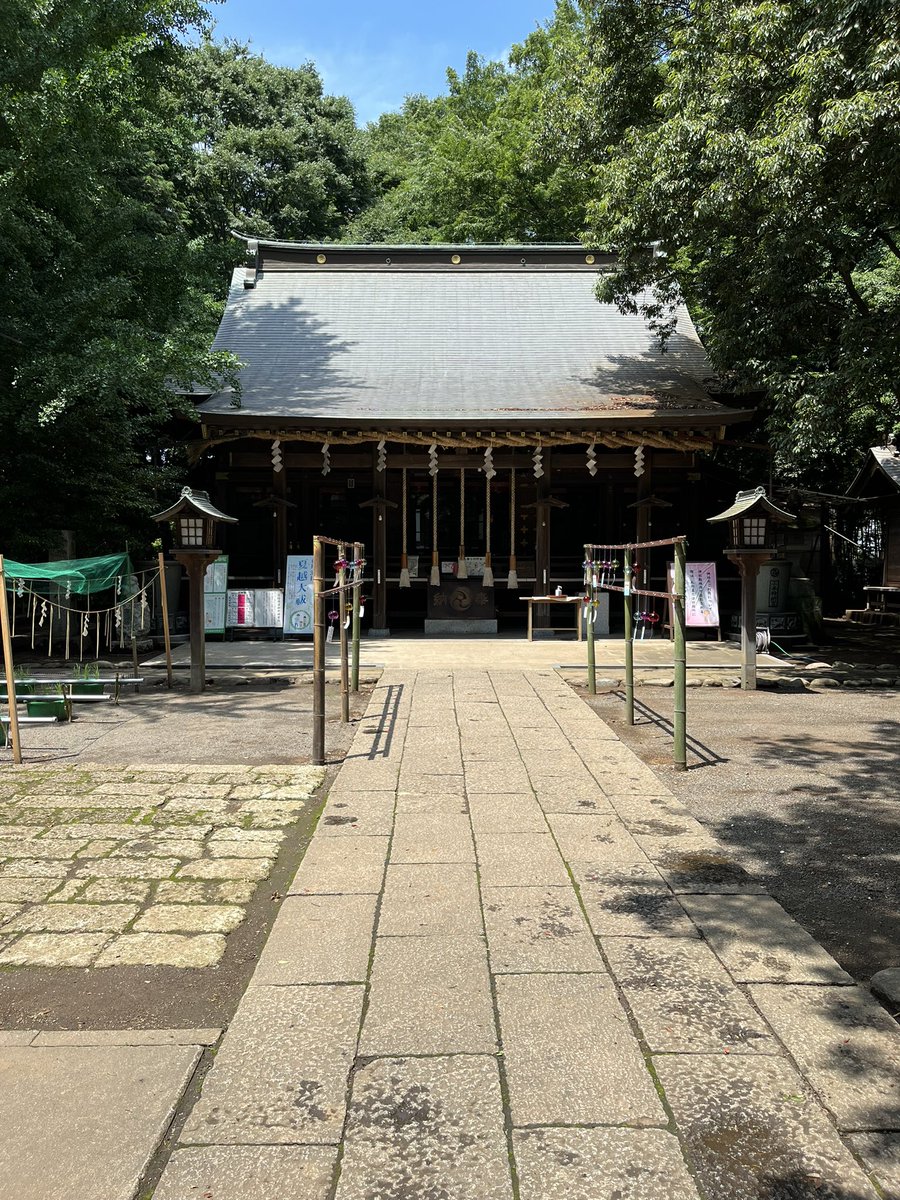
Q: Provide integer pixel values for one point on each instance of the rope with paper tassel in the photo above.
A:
(512, 579)
(462, 571)
(404, 560)
(488, 580)
(435, 567)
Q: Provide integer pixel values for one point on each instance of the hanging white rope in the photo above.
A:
(22, 590)
(488, 572)
(512, 579)
(435, 566)
(404, 561)
(462, 571)
(326, 458)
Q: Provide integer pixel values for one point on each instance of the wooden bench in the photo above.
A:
(67, 682)
(577, 629)
(4, 720)
(883, 595)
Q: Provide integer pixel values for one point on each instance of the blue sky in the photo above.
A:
(378, 52)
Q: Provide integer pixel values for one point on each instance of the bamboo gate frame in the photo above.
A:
(349, 665)
(596, 584)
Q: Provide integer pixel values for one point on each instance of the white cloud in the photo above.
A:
(376, 76)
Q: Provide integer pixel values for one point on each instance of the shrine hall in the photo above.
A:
(472, 414)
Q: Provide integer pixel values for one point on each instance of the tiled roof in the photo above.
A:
(423, 343)
(882, 462)
(889, 460)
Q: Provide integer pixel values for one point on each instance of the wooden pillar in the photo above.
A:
(195, 563)
(748, 565)
(8, 672)
(280, 523)
(379, 547)
(542, 531)
(318, 740)
(644, 515)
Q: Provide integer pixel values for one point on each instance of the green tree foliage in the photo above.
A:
(99, 310)
(127, 153)
(465, 166)
(275, 156)
(757, 177)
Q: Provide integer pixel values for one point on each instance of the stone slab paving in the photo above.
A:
(847, 1047)
(760, 943)
(81, 1114)
(880, 1155)
(426, 1127)
(754, 1131)
(512, 966)
(571, 1056)
(601, 1164)
(137, 865)
(683, 998)
(248, 1173)
(281, 1074)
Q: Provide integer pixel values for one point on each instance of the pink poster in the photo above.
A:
(701, 602)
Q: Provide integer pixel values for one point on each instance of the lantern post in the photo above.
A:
(195, 520)
(752, 522)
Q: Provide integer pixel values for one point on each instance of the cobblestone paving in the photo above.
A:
(102, 866)
(513, 967)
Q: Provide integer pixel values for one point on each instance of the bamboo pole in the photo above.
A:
(591, 655)
(629, 643)
(357, 592)
(680, 708)
(8, 669)
(318, 747)
(164, 603)
(342, 630)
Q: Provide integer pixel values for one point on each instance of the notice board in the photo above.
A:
(215, 586)
(701, 601)
(298, 594)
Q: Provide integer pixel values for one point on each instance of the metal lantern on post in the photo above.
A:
(752, 521)
(195, 520)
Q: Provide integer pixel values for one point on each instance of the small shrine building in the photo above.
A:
(444, 404)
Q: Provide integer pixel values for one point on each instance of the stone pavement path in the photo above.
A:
(512, 965)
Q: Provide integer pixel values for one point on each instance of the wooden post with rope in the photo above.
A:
(680, 707)
(512, 579)
(488, 580)
(462, 571)
(318, 746)
(164, 606)
(354, 641)
(404, 557)
(629, 640)
(435, 578)
(342, 632)
(8, 670)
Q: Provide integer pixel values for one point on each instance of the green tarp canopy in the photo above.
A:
(77, 576)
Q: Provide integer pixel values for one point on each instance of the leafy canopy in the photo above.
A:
(757, 176)
(464, 167)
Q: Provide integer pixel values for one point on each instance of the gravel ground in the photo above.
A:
(263, 719)
(804, 788)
